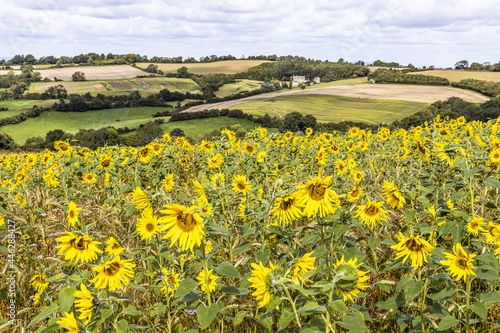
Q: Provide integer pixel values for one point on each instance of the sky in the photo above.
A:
(421, 32)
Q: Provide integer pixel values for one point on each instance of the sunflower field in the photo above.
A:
(393, 230)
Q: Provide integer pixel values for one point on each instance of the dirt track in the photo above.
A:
(424, 94)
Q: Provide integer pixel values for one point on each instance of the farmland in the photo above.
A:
(234, 88)
(144, 85)
(93, 72)
(226, 67)
(455, 75)
(334, 108)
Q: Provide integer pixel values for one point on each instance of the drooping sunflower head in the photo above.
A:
(413, 247)
(113, 273)
(141, 200)
(371, 212)
(69, 322)
(302, 266)
(263, 281)
(241, 185)
(207, 282)
(170, 281)
(349, 279)
(286, 209)
(80, 248)
(114, 248)
(184, 226)
(39, 282)
(84, 303)
(492, 233)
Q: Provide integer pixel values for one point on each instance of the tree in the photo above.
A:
(462, 64)
(6, 142)
(149, 131)
(182, 72)
(177, 132)
(291, 122)
(78, 76)
(152, 68)
(267, 87)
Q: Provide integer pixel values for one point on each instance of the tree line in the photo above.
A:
(383, 75)
(488, 88)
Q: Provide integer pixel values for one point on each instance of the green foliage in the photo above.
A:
(149, 132)
(78, 76)
(382, 75)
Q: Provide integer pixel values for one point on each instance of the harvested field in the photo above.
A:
(410, 93)
(455, 75)
(226, 67)
(93, 72)
(71, 87)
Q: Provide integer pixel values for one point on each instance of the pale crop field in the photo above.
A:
(455, 75)
(226, 67)
(93, 72)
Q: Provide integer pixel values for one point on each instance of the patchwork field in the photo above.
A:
(227, 67)
(334, 108)
(144, 85)
(399, 92)
(455, 75)
(93, 72)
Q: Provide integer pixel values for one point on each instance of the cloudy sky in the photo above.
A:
(421, 32)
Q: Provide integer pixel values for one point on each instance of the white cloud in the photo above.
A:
(423, 32)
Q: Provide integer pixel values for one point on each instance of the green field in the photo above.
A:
(455, 75)
(226, 67)
(19, 106)
(334, 108)
(128, 117)
(234, 88)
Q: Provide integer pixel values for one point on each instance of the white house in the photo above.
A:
(297, 79)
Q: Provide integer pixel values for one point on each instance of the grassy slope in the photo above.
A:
(129, 117)
(227, 67)
(334, 108)
(19, 106)
(456, 75)
(233, 88)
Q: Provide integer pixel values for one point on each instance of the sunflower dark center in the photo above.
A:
(186, 222)
(112, 269)
(144, 153)
(79, 243)
(413, 245)
(372, 210)
(462, 263)
(105, 163)
(150, 227)
(241, 186)
(317, 192)
(286, 204)
(72, 214)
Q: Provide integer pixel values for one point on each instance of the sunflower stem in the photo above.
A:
(227, 227)
(374, 251)
(293, 305)
(467, 301)
(207, 278)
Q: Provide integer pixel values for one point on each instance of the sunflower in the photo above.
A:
(73, 214)
(316, 196)
(393, 195)
(354, 194)
(371, 212)
(210, 281)
(37, 298)
(459, 263)
(113, 247)
(113, 272)
(240, 184)
(105, 163)
(183, 225)
(145, 154)
(357, 176)
(141, 200)
(39, 282)
(492, 233)
(148, 225)
(421, 150)
(415, 247)
(474, 226)
(350, 280)
(287, 209)
(262, 281)
(2, 221)
(69, 322)
(495, 156)
(303, 265)
(215, 161)
(63, 148)
(89, 178)
(340, 167)
(170, 281)
(80, 248)
(20, 200)
(84, 303)
(261, 156)
(168, 182)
